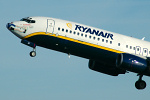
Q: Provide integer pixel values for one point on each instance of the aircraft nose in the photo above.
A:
(9, 26)
(17, 29)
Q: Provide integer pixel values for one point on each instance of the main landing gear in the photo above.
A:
(140, 84)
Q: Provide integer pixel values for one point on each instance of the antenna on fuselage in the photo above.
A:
(68, 55)
(143, 38)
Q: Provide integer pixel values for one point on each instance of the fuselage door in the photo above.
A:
(145, 52)
(50, 26)
(138, 50)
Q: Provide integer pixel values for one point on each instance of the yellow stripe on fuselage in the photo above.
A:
(73, 40)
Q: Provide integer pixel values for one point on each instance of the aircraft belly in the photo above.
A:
(74, 48)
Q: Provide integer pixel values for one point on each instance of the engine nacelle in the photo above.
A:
(132, 63)
(104, 68)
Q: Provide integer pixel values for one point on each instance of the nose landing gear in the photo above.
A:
(33, 45)
(140, 84)
(33, 53)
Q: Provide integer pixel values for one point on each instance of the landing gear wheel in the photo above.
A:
(140, 84)
(32, 53)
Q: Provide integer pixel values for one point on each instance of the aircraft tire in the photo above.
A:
(140, 84)
(32, 53)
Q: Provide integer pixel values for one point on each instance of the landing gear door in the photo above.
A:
(50, 26)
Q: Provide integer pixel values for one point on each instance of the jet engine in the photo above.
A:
(105, 68)
(133, 63)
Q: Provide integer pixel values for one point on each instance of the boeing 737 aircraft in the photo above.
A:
(108, 52)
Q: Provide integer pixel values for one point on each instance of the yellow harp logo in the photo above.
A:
(69, 25)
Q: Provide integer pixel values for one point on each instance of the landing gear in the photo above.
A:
(31, 44)
(33, 53)
(140, 84)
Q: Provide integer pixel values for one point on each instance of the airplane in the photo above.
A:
(108, 52)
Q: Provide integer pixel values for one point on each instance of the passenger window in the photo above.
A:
(74, 32)
(126, 46)
(85, 35)
(106, 41)
(78, 33)
(89, 36)
(133, 48)
(81, 34)
(118, 44)
(138, 49)
(94, 38)
(110, 42)
(98, 39)
(66, 30)
(59, 28)
(102, 40)
(70, 31)
(62, 29)
(130, 47)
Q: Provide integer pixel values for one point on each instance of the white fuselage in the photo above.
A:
(110, 40)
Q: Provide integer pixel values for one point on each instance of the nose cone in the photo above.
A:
(10, 26)
(16, 29)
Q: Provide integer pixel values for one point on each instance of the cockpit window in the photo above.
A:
(28, 20)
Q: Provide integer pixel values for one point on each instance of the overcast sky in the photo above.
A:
(52, 75)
